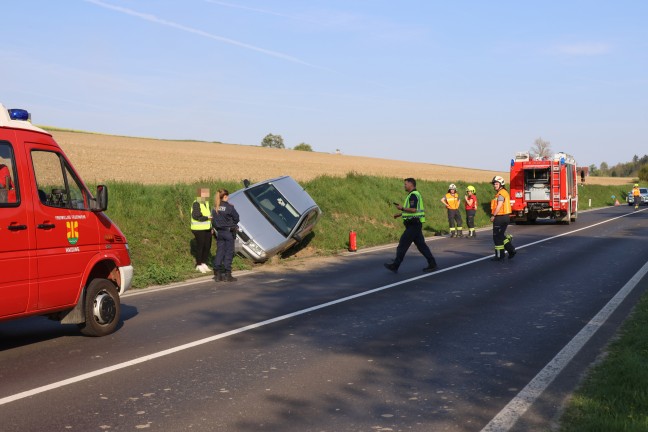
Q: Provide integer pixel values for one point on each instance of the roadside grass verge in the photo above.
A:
(155, 218)
(614, 396)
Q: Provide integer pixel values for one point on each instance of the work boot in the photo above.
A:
(218, 276)
(227, 277)
(472, 234)
(459, 233)
(432, 266)
(391, 267)
(453, 234)
(499, 255)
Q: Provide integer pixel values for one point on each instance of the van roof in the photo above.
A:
(7, 121)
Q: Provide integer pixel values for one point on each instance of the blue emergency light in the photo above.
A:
(19, 114)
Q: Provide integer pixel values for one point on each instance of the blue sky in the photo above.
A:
(463, 83)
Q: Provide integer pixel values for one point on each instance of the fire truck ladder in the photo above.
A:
(555, 185)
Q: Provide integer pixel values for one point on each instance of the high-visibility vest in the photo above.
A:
(201, 225)
(420, 210)
(506, 207)
(636, 191)
(474, 204)
(452, 200)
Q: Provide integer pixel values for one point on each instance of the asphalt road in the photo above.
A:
(344, 345)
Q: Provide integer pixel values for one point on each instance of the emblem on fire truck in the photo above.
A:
(72, 232)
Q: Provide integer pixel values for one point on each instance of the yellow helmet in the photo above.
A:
(471, 189)
(636, 185)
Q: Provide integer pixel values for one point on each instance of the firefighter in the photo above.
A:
(201, 228)
(413, 214)
(500, 216)
(451, 201)
(636, 193)
(470, 203)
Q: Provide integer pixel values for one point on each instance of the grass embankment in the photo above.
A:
(155, 220)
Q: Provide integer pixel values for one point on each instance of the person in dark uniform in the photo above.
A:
(224, 220)
(413, 214)
(501, 216)
(201, 228)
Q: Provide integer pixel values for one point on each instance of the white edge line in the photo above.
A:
(512, 412)
(118, 366)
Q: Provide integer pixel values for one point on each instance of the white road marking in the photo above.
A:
(510, 413)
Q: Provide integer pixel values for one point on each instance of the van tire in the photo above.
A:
(102, 308)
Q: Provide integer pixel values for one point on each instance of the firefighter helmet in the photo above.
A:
(636, 185)
(471, 189)
(452, 186)
(498, 179)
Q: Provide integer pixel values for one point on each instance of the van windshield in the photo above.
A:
(274, 206)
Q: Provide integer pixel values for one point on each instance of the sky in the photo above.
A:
(461, 83)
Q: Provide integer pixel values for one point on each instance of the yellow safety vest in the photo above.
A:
(201, 225)
(452, 200)
(420, 211)
(636, 192)
(506, 207)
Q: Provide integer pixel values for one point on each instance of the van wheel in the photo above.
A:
(102, 308)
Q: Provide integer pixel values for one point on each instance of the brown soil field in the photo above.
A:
(100, 158)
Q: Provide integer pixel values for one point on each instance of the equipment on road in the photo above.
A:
(544, 188)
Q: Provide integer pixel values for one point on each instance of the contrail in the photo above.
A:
(154, 19)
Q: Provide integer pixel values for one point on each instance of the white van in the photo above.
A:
(275, 215)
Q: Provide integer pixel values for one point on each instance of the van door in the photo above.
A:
(67, 234)
(16, 237)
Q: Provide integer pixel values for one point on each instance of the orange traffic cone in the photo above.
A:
(616, 202)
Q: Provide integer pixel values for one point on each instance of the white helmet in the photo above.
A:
(498, 179)
(452, 186)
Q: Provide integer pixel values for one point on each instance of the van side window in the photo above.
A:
(8, 189)
(56, 183)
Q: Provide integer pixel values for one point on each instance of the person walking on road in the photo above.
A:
(500, 216)
(413, 214)
(636, 194)
(470, 203)
(225, 220)
(452, 200)
(201, 229)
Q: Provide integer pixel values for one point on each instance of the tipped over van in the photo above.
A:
(275, 215)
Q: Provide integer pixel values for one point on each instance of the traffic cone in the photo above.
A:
(616, 202)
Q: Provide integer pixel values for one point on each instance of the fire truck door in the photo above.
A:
(66, 231)
(16, 240)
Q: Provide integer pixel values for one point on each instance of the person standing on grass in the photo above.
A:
(201, 228)
(470, 203)
(225, 220)
(452, 200)
(413, 214)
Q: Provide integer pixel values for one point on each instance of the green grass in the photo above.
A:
(614, 396)
(155, 218)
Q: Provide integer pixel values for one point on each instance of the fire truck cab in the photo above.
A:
(60, 255)
(544, 188)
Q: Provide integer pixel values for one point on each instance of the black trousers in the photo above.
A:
(500, 223)
(224, 251)
(413, 234)
(470, 218)
(203, 245)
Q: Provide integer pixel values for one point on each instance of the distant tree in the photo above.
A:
(604, 168)
(593, 171)
(273, 141)
(541, 148)
(643, 173)
(303, 147)
(635, 159)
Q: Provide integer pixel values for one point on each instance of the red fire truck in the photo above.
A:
(60, 255)
(544, 188)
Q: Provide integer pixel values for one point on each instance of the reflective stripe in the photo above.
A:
(452, 200)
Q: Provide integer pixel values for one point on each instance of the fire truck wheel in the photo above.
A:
(102, 308)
